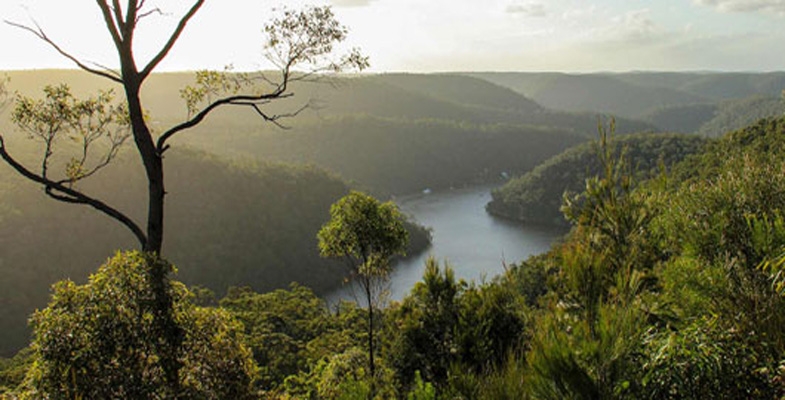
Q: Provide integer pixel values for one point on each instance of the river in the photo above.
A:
(474, 243)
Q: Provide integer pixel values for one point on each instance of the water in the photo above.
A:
(474, 243)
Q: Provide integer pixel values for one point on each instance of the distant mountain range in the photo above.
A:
(636, 94)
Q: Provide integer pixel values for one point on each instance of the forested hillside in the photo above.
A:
(709, 103)
(240, 223)
(537, 196)
(415, 131)
(402, 156)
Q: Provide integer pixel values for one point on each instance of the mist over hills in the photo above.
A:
(414, 131)
(638, 95)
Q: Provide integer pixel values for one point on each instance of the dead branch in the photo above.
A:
(172, 39)
(42, 35)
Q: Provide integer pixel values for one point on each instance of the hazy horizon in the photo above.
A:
(570, 36)
(371, 73)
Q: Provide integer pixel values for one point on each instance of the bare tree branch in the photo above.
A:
(148, 13)
(118, 17)
(70, 195)
(172, 39)
(110, 24)
(130, 20)
(42, 35)
(274, 119)
(108, 70)
(199, 117)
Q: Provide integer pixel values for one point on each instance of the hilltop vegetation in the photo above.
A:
(536, 197)
(737, 114)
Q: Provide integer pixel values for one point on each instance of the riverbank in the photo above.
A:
(476, 244)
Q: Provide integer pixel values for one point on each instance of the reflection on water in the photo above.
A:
(473, 242)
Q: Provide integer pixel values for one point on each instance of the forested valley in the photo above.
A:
(668, 284)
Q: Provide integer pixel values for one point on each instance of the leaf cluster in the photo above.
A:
(96, 121)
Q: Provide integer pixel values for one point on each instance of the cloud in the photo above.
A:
(637, 25)
(631, 27)
(533, 10)
(763, 6)
(351, 3)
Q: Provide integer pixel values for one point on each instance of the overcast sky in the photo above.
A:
(437, 35)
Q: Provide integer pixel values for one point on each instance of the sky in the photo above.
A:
(433, 35)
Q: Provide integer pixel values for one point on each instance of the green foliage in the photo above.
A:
(537, 196)
(306, 38)
(427, 152)
(343, 375)
(586, 360)
(427, 142)
(289, 331)
(667, 289)
(85, 123)
(365, 231)
(703, 361)
(739, 113)
(13, 370)
(368, 233)
(100, 340)
(721, 220)
(421, 390)
(446, 325)
(732, 219)
(209, 86)
(529, 279)
(491, 324)
(424, 327)
(584, 346)
(761, 139)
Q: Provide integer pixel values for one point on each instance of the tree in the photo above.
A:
(424, 327)
(99, 341)
(367, 233)
(296, 39)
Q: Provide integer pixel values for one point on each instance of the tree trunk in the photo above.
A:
(153, 165)
(371, 364)
(170, 337)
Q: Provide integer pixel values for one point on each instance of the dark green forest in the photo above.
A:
(668, 285)
(537, 196)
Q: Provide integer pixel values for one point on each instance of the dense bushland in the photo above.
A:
(536, 196)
